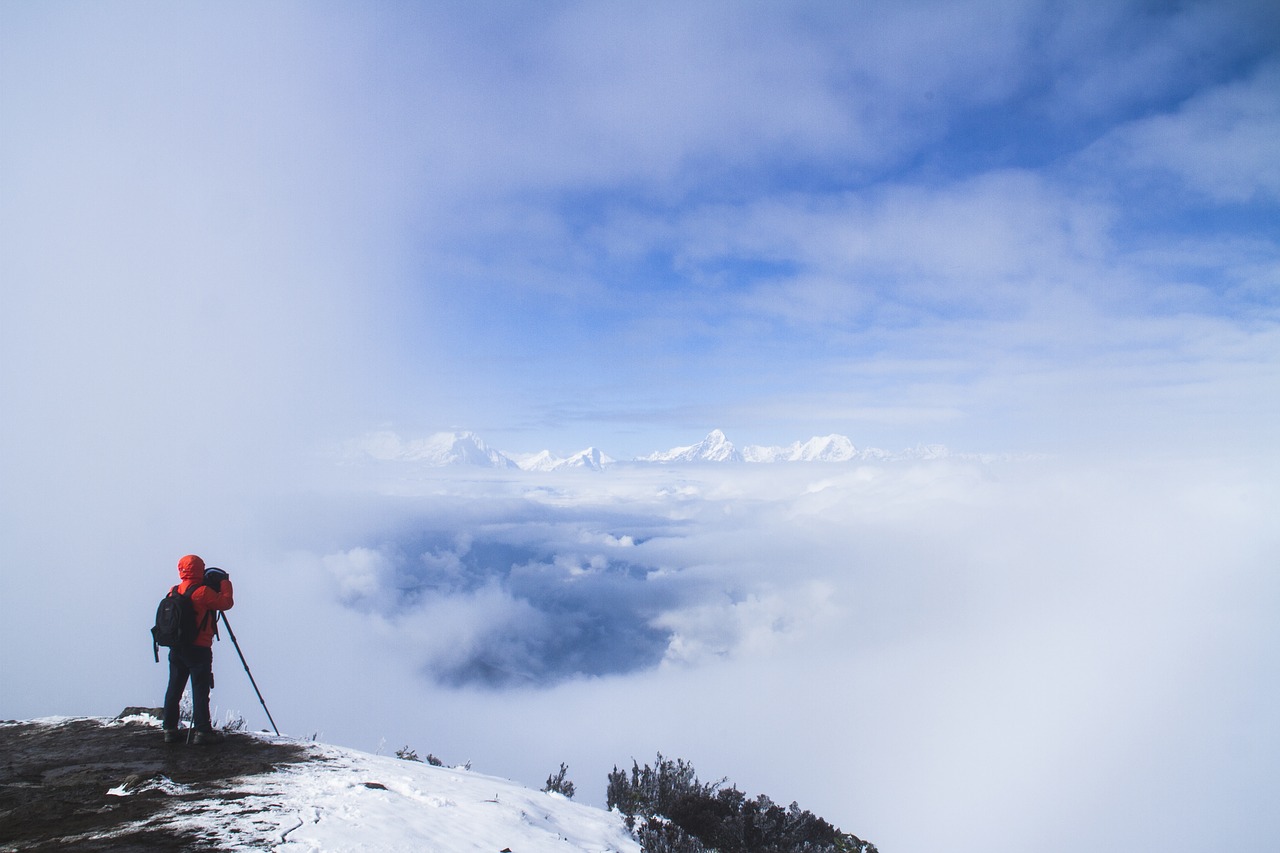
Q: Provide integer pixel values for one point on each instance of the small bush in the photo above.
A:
(407, 754)
(557, 782)
(234, 722)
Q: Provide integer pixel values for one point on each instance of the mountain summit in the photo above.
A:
(591, 459)
(438, 450)
(132, 791)
(716, 447)
(831, 448)
(102, 786)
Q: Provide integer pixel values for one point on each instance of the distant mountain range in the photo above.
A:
(445, 449)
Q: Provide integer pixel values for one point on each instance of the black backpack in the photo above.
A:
(176, 620)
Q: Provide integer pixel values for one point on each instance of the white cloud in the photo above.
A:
(996, 646)
(363, 575)
(1219, 143)
(994, 244)
(753, 625)
(1124, 56)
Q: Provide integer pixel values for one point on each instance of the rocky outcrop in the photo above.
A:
(115, 785)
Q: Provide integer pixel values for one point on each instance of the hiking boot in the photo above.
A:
(207, 737)
(175, 735)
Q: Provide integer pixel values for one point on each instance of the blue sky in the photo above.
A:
(992, 225)
(237, 236)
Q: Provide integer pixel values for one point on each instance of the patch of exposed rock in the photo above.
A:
(90, 784)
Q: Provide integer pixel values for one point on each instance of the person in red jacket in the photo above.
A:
(194, 661)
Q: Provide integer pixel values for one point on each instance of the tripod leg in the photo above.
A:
(245, 664)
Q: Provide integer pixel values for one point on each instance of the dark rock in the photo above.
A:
(55, 778)
(138, 711)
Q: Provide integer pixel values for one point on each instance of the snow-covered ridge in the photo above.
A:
(356, 801)
(259, 792)
(445, 449)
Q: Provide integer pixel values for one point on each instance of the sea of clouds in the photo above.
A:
(1028, 654)
(933, 654)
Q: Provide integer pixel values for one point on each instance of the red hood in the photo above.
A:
(191, 568)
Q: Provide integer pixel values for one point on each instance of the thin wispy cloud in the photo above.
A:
(1216, 143)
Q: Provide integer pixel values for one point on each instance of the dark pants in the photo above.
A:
(195, 663)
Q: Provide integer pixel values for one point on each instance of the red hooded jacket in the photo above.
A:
(206, 598)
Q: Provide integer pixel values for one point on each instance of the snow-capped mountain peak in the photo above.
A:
(829, 448)
(437, 450)
(545, 460)
(590, 458)
(465, 448)
(716, 447)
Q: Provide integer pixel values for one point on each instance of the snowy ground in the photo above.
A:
(354, 801)
(114, 785)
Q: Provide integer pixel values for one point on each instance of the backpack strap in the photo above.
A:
(191, 591)
(207, 614)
